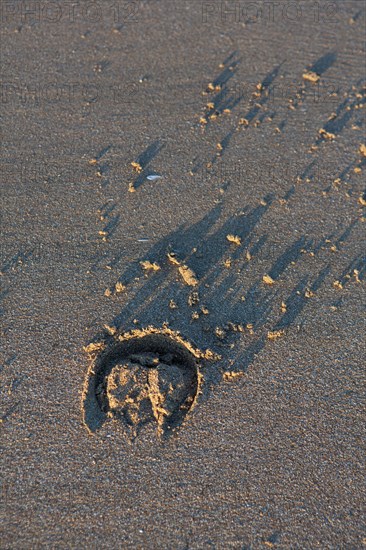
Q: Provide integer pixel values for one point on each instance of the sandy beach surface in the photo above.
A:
(183, 274)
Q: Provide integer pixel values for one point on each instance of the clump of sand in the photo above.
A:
(147, 387)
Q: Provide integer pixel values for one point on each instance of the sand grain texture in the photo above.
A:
(272, 454)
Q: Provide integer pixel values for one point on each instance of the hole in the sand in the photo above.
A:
(144, 379)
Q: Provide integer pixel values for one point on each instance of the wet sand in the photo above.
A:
(172, 168)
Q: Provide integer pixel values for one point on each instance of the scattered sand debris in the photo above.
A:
(136, 167)
(231, 375)
(267, 279)
(363, 149)
(188, 275)
(149, 266)
(234, 239)
(173, 258)
(212, 88)
(275, 334)
(243, 122)
(110, 330)
(311, 76)
(220, 333)
(172, 305)
(235, 327)
(119, 287)
(337, 284)
(326, 135)
(193, 299)
(211, 356)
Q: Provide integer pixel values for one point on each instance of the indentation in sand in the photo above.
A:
(140, 377)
